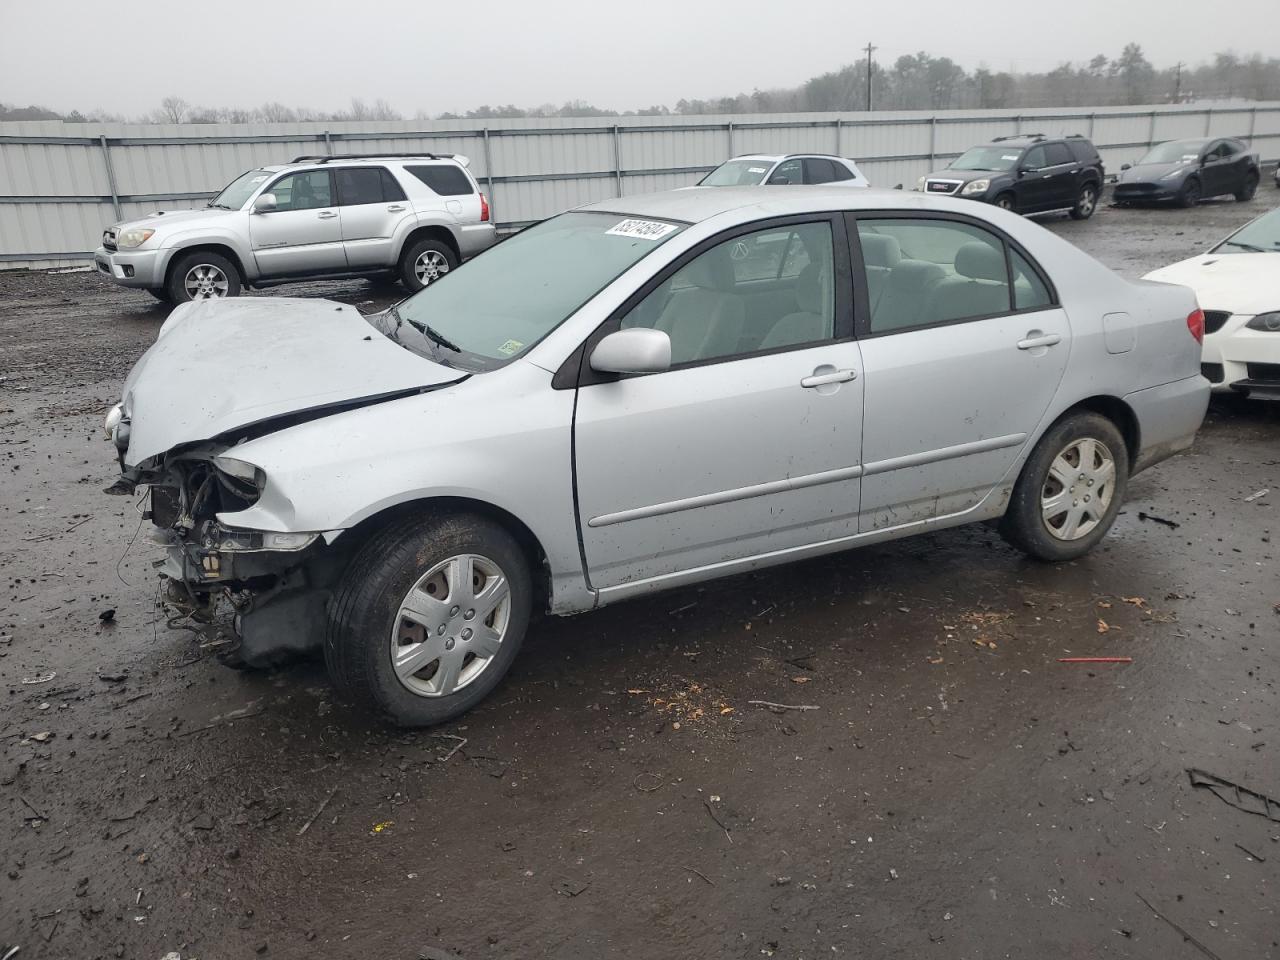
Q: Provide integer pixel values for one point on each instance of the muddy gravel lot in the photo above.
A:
(956, 793)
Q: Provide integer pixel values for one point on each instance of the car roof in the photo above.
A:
(695, 204)
(782, 156)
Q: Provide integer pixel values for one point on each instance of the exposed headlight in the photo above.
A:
(229, 540)
(241, 470)
(1174, 174)
(114, 416)
(133, 237)
(920, 185)
(1270, 322)
(976, 186)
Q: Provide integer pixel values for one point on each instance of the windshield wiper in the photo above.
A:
(1245, 246)
(220, 206)
(435, 336)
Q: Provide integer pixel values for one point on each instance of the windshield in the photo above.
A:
(737, 173)
(1175, 151)
(235, 194)
(500, 304)
(1257, 236)
(987, 158)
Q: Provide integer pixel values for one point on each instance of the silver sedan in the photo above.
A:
(640, 394)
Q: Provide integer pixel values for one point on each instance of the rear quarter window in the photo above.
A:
(1083, 150)
(446, 180)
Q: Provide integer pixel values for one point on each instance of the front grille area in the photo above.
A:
(941, 186)
(1212, 372)
(1214, 320)
(1264, 371)
(1135, 188)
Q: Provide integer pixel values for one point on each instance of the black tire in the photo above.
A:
(162, 294)
(1249, 189)
(366, 610)
(216, 264)
(1086, 202)
(439, 251)
(1005, 202)
(1024, 525)
(1190, 193)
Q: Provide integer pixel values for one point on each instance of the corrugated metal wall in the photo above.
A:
(61, 183)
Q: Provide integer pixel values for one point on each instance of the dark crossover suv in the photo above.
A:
(1186, 171)
(1028, 173)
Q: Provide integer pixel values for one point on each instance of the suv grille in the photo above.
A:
(1215, 320)
(941, 186)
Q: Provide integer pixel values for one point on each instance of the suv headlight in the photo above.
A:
(133, 237)
(1174, 174)
(976, 186)
(1270, 322)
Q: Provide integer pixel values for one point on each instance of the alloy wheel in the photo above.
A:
(450, 625)
(1079, 489)
(204, 281)
(431, 265)
(1088, 200)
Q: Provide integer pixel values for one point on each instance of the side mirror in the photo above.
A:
(1126, 166)
(265, 203)
(634, 350)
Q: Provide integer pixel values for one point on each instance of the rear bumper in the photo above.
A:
(476, 238)
(1168, 417)
(140, 268)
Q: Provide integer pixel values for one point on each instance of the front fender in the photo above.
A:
(184, 239)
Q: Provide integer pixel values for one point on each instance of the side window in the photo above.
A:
(841, 171)
(303, 191)
(391, 190)
(359, 185)
(709, 312)
(787, 172)
(1057, 154)
(1035, 159)
(1083, 150)
(444, 179)
(1029, 291)
(818, 170)
(922, 272)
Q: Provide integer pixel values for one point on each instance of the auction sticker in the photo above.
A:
(510, 347)
(642, 229)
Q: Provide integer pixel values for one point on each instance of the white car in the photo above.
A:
(1238, 285)
(762, 169)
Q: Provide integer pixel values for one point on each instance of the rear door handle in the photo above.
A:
(395, 208)
(327, 214)
(822, 379)
(1039, 340)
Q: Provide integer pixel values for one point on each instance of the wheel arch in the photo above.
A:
(221, 249)
(432, 231)
(1115, 410)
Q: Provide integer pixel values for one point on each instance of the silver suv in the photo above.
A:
(411, 217)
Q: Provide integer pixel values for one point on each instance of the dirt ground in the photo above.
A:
(958, 793)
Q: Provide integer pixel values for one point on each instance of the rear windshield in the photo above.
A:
(237, 193)
(737, 173)
(1175, 151)
(987, 158)
(497, 306)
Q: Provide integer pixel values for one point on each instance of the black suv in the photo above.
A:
(1028, 173)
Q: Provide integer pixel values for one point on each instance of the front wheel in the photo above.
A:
(1005, 202)
(429, 617)
(1190, 194)
(1086, 202)
(1070, 489)
(203, 276)
(1249, 189)
(424, 262)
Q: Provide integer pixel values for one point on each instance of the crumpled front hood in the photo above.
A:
(1150, 172)
(224, 365)
(1245, 283)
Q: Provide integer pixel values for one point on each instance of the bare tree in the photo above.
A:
(174, 110)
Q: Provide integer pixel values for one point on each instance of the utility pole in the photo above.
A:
(1177, 83)
(870, 50)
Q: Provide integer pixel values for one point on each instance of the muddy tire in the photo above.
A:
(162, 294)
(1250, 187)
(425, 261)
(1190, 194)
(1086, 202)
(428, 617)
(202, 276)
(1070, 489)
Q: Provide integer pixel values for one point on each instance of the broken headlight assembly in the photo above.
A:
(230, 540)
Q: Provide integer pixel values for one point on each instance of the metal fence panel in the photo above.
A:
(61, 183)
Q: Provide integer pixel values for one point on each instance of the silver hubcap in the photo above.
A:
(431, 265)
(1004, 203)
(205, 281)
(1079, 489)
(450, 625)
(1086, 202)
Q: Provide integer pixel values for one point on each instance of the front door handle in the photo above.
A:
(327, 214)
(395, 208)
(822, 379)
(1037, 339)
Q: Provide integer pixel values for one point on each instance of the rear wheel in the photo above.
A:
(424, 262)
(1249, 189)
(1086, 202)
(429, 617)
(203, 276)
(1005, 202)
(1190, 194)
(1070, 490)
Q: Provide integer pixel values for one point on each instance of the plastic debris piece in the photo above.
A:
(1242, 798)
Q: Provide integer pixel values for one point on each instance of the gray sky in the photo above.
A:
(436, 56)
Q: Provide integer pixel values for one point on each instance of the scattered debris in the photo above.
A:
(44, 678)
(57, 533)
(113, 677)
(1103, 626)
(36, 814)
(1237, 796)
(250, 710)
(702, 875)
(1171, 524)
(319, 810)
(779, 707)
(1095, 659)
(1185, 936)
(1255, 856)
(12, 952)
(1258, 495)
(716, 817)
(462, 742)
(645, 789)
(108, 615)
(568, 887)
(383, 826)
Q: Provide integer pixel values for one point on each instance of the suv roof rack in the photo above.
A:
(374, 156)
(1020, 136)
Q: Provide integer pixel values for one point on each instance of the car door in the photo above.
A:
(303, 234)
(1064, 174)
(787, 172)
(750, 443)
(1033, 188)
(1215, 170)
(373, 206)
(959, 372)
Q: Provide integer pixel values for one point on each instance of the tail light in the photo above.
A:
(1195, 323)
(484, 209)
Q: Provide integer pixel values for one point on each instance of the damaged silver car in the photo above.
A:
(640, 394)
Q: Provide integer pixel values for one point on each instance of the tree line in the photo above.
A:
(917, 81)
